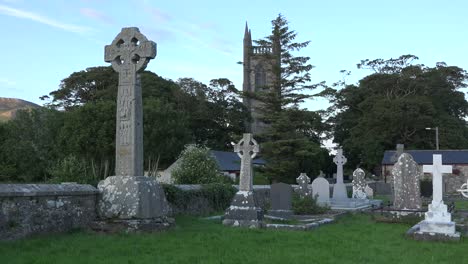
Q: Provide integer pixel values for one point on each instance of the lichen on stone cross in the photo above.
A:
(437, 169)
(129, 54)
(246, 149)
(303, 182)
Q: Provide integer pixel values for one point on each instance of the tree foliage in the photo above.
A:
(395, 105)
(291, 142)
(78, 126)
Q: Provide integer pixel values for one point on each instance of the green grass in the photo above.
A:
(354, 239)
(461, 205)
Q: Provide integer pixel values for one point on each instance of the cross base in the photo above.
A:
(243, 211)
(339, 191)
(129, 197)
(433, 231)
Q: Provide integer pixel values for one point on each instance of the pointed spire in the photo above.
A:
(247, 36)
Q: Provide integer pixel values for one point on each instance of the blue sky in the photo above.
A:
(43, 42)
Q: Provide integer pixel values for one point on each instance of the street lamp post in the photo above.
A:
(437, 135)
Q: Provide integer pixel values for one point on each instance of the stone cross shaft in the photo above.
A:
(339, 160)
(246, 149)
(129, 54)
(437, 169)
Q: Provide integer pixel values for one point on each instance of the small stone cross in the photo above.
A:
(437, 169)
(246, 149)
(129, 54)
(339, 160)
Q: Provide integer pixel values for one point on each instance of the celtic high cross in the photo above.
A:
(247, 150)
(129, 54)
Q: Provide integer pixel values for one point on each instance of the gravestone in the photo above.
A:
(406, 176)
(369, 192)
(281, 200)
(321, 190)
(303, 182)
(437, 220)
(129, 195)
(339, 189)
(243, 210)
(359, 184)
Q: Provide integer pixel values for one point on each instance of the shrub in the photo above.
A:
(71, 169)
(218, 195)
(197, 166)
(306, 205)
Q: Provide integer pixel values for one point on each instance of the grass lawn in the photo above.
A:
(354, 239)
(461, 205)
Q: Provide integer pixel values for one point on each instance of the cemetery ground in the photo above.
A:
(354, 238)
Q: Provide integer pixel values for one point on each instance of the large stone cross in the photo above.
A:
(246, 149)
(129, 54)
(339, 160)
(437, 169)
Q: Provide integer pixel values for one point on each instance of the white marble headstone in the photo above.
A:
(321, 190)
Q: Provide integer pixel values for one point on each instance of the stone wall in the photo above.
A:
(28, 209)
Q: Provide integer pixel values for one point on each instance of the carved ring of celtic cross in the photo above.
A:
(241, 147)
(464, 189)
(129, 49)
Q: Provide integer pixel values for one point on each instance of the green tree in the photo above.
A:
(196, 166)
(292, 138)
(216, 112)
(395, 105)
(28, 145)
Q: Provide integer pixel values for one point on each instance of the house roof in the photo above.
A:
(229, 161)
(425, 156)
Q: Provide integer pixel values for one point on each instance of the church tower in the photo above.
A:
(259, 62)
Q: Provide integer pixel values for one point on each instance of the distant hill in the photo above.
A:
(9, 106)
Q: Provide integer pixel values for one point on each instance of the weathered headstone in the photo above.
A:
(281, 200)
(437, 219)
(369, 192)
(303, 181)
(243, 210)
(359, 184)
(406, 176)
(339, 189)
(321, 190)
(129, 194)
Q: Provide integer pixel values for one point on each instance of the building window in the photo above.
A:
(260, 78)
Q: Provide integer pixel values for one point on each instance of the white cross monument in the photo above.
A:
(437, 218)
(339, 189)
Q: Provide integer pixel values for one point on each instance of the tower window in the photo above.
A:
(260, 78)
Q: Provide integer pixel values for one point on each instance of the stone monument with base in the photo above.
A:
(130, 201)
(437, 224)
(243, 210)
(340, 199)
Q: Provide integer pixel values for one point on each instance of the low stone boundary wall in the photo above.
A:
(27, 209)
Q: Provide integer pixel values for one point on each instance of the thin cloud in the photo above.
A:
(94, 14)
(160, 15)
(9, 11)
(7, 82)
